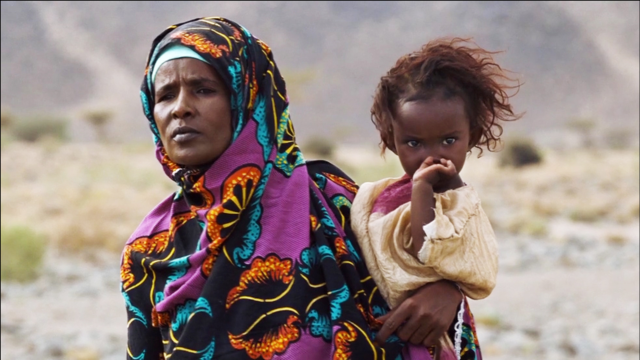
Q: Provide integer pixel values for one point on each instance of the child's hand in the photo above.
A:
(424, 317)
(434, 171)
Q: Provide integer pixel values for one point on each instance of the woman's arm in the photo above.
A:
(143, 339)
(425, 316)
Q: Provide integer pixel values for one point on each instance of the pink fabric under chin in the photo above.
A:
(393, 196)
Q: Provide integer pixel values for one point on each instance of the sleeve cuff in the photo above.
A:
(429, 233)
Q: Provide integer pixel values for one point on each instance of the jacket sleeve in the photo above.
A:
(460, 244)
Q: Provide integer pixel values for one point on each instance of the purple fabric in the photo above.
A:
(393, 196)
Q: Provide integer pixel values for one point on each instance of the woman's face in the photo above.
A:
(192, 111)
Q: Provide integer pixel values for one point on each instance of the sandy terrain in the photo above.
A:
(75, 312)
(567, 231)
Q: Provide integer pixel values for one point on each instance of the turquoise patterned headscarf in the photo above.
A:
(176, 51)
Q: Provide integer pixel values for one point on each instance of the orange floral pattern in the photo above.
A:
(149, 245)
(198, 187)
(271, 343)
(167, 162)
(349, 185)
(253, 87)
(264, 46)
(343, 340)
(341, 248)
(314, 223)
(236, 34)
(368, 316)
(201, 44)
(160, 318)
(237, 191)
(271, 269)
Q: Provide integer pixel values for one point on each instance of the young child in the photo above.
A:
(431, 109)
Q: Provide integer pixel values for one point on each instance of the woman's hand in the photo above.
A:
(425, 316)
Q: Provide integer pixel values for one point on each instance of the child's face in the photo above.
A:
(435, 127)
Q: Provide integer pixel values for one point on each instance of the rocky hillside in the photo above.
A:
(575, 59)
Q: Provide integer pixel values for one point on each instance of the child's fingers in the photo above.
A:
(426, 163)
(449, 166)
(426, 170)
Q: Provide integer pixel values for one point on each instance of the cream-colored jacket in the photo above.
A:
(459, 244)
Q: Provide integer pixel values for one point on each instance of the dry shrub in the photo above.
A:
(527, 224)
(619, 138)
(589, 212)
(6, 119)
(22, 253)
(634, 209)
(89, 236)
(614, 238)
(490, 320)
(85, 197)
(35, 128)
(520, 152)
(101, 219)
(99, 119)
(319, 146)
(546, 208)
(626, 211)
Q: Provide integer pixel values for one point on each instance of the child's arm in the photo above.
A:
(422, 201)
(422, 205)
(463, 249)
(460, 244)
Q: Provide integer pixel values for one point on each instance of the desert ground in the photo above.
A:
(567, 231)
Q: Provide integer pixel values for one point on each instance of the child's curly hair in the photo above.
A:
(450, 68)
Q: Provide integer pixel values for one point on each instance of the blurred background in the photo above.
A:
(79, 174)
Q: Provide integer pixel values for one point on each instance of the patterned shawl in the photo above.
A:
(250, 259)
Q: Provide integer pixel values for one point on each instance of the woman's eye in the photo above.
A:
(412, 143)
(164, 97)
(449, 141)
(205, 91)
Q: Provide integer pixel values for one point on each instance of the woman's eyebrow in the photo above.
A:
(199, 80)
(164, 86)
(193, 81)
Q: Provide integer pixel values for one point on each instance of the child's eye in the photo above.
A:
(412, 143)
(449, 141)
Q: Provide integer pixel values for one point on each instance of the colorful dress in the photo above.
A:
(252, 258)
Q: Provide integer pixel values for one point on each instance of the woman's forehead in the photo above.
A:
(187, 67)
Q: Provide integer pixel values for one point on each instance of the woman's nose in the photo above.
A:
(182, 107)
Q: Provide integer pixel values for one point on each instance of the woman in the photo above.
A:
(252, 257)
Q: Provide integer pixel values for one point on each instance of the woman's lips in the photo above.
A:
(184, 134)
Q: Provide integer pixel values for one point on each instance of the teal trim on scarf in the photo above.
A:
(173, 52)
